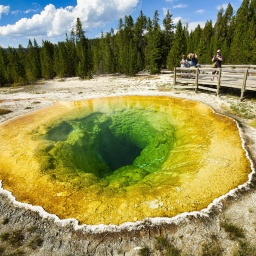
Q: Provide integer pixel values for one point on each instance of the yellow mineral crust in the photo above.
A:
(206, 160)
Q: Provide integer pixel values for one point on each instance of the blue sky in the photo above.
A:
(21, 20)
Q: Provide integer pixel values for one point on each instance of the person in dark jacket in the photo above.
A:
(217, 59)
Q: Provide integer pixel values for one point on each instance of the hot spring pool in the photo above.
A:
(119, 159)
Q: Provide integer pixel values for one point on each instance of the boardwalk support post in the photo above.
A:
(174, 77)
(218, 84)
(197, 74)
(244, 84)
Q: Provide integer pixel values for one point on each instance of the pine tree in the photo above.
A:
(32, 62)
(135, 47)
(219, 36)
(47, 57)
(168, 33)
(140, 41)
(239, 49)
(84, 68)
(109, 52)
(56, 65)
(178, 47)
(60, 60)
(129, 47)
(252, 34)
(120, 46)
(97, 56)
(227, 32)
(193, 39)
(71, 57)
(15, 65)
(154, 48)
(205, 48)
(3, 64)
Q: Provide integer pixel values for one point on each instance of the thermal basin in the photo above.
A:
(122, 159)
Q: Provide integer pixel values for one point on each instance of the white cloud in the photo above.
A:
(37, 25)
(180, 6)
(4, 10)
(165, 10)
(54, 22)
(15, 12)
(224, 6)
(193, 25)
(199, 11)
(176, 20)
(30, 10)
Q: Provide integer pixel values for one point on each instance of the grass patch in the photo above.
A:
(233, 230)
(2, 249)
(32, 229)
(164, 246)
(253, 123)
(5, 221)
(242, 110)
(36, 242)
(15, 238)
(16, 253)
(212, 249)
(245, 249)
(144, 252)
(4, 111)
(4, 237)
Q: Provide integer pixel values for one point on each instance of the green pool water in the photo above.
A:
(119, 159)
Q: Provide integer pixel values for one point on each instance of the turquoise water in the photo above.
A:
(108, 146)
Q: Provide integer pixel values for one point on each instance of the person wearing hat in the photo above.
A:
(217, 59)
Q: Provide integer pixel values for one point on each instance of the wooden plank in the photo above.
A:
(250, 88)
(251, 79)
(230, 66)
(231, 85)
(207, 88)
(233, 77)
(185, 81)
(184, 87)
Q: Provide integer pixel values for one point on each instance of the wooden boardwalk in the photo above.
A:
(241, 77)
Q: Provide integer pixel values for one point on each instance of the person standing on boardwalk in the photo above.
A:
(217, 59)
(184, 62)
(194, 60)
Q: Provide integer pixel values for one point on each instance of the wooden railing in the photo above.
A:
(242, 77)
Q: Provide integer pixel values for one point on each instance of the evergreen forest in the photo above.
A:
(143, 44)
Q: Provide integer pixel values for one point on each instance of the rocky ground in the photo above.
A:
(227, 227)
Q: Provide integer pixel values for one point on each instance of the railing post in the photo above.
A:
(218, 84)
(174, 77)
(197, 74)
(244, 84)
